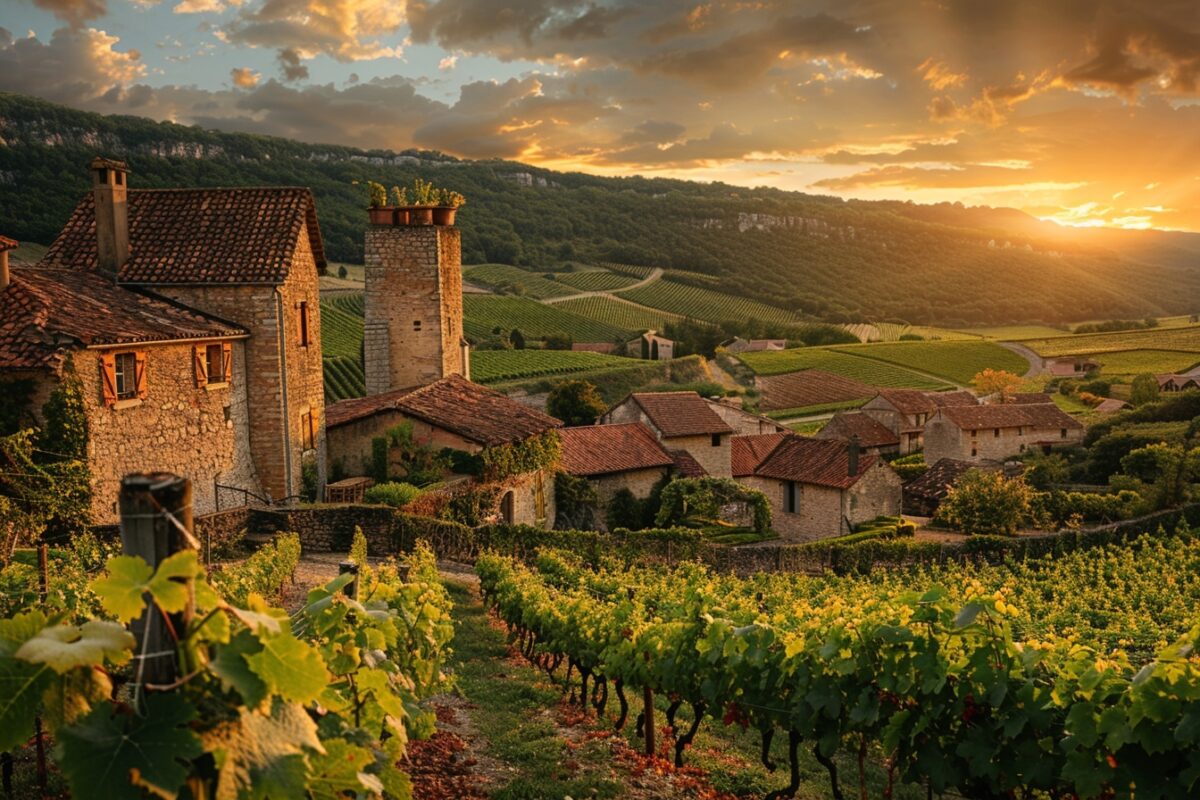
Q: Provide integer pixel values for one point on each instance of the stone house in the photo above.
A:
(905, 411)
(817, 488)
(739, 345)
(1071, 367)
(924, 494)
(449, 413)
(743, 422)
(651, 346)
(872, 435)
(682, 421)
(164, 387)
(1177, 383)
(615, 457)
(251, 256)
(997, 432)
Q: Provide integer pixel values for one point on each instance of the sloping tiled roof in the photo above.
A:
(940, 476)
(1109, 405)
(1038, 415)
(454, 404)
(8, 244)
(46, 312)
(747, 452)
(915, 401)
(607, 449)
(1029, 398)
(242, 235)
(680, 413)
(870, 432)
(686, 466)
(824, 462)
(809, 387)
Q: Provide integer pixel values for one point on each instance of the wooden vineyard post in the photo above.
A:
(648, 699)
(351, 588)
(156, 522)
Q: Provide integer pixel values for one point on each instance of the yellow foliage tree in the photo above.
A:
(997, 381)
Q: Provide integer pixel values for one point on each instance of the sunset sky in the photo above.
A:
(1081, 111)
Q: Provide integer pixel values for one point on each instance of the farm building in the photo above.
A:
(614, 457)
(190, 317)
(740, 345)
(872, 435)
(810, 387)
(996, 432)
(905, 411)
(1110, 405)
(924, 494)
(682, 421)
(817, 488)
(1177, 383)
(651, 346)
(1071, 367)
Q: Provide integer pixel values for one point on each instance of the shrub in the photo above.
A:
(358, 548)
(691, 501)
(1144, 390)
(396, 495)
(575, 502)
(624, 511)
(986, 502)
(575, 403)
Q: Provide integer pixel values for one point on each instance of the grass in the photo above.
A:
(1070, 404)
(869, 371)
(1135, 362)
(495, 276)
(617, 313)
(706, 304)
(954, 361)
(1166, 338)
(490, 366)
(535, 320)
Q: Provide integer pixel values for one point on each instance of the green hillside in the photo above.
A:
(866, 370)
(484, 313)
(955, 361)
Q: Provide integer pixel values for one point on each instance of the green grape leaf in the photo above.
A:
(968, 614)
(264, 756)
(65, 647)
(342, 770)
(103, 753)
(71, 696)
(290, 668)
(21, 688)
(122, 586)
(18, 630)
(231, 667)
(167, 588)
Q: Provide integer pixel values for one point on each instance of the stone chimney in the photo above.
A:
(6, 244)
(413, 315)
(852, 449)
(109, 179)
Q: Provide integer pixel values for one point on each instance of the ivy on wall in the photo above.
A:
(537, 453)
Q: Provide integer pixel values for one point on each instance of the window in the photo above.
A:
(974, 452)
(304, 323)
(790, 500)
(126, 376)
(122, 377)
(416, 324)
(996, 434)
(307, 431)
(716, 440)
(1062, 433)
(212, 364)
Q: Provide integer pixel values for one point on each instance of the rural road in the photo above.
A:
(651, 278)
(1037, 365)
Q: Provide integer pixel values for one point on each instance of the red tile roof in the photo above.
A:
(1039, 415)
(181, 236)
(607, 449)
(809, 387)
(45, 313)
(915, 401)
(686, 466)
(824, 462)
(680, 414)
(934, 482)
(8, 244)
(454, 404)
(870, 432)
(1029, 398)
(747, 452)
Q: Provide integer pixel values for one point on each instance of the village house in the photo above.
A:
(1071, 367)
(743, 422)
(651, 346)
(925, 493)
(739, 345)
(872, 435)
(615, 457)
(1178, 383)
(905, 411)
(1110, 405)
(817, 488)
(685, 424)
(999, 431)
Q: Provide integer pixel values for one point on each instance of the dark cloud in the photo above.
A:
(347, 30)
(74, 12)
(290, 65)
(466, 23)
(75, 66)
(1136, 43)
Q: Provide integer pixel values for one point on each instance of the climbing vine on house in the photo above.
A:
(534, 454)
(699, 501)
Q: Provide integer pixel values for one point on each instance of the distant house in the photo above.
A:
(996, 432)
(742, 421)
(810, 387)
(682, 421)
(606, 348)
(614, 457)
(449, 413)
(1177, 382)
(740, 345)
(817, 488)
(872, 435)
(924, 494)
(1110, 405)
(651, 346)
(905, 411)
(1071, 367)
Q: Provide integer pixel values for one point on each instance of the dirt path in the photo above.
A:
(1037, 364)
(654, 275)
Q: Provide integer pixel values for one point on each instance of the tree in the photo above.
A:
(986, 502)
(1044, 469)
(624, 511)
(517, 338)
(575, 403)
(997, 381)
(558, 341)
(1168, 471)
(1144, 390)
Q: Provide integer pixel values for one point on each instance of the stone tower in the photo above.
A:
(413, 326)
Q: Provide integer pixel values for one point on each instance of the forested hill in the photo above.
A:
(832, 259)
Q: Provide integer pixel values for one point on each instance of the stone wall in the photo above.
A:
(944, 439)
(818, 513)
(413, 317)
(349, 445)
(641, 482)
(330, 529)
(197, 432)
(877, 493)
(524, 489)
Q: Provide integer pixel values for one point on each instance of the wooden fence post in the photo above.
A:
(648, 699)
(351, 588)
(156, 522)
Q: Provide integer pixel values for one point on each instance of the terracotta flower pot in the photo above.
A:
(380, 216)
(420, 215)
(401, 217)
(444, 215)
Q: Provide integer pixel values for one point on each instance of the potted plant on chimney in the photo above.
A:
(448, 205)
(400, 202)
(421, 211)
(377, 207)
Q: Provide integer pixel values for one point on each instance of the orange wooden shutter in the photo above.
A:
(227, 360)
(198, 366)
(139, 372)
(108, 379)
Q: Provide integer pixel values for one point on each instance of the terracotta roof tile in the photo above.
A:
(607, 449)
(747, 452)
(939, 477)
(455, 404)
(1039, 415)
(680, 414)
(870, 432)
(809, 387)
(45, 313)
(824, 462)
(242, 235)
(915, 401)
(686, 466)
(8, 244)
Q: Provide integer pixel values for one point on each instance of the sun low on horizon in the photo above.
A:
(1084, 113)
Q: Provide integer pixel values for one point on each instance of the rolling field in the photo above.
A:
(1135, 362)
(866, 370)
(705, 304)
(342, 326)
(954, 361)
(484, 313)
(490, 366)
(618, 314)
(1012, 333)
(343, 378)
(596, 280)
(1178, 338)
(535, 286)
(632, 270)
